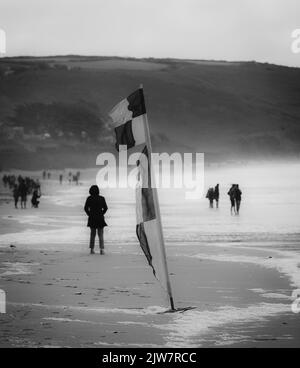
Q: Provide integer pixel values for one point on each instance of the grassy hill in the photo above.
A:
(53, 111)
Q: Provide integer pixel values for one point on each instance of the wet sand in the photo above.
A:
(60, 296)
(70, 299)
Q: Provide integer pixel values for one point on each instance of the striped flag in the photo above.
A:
(131, 128)
(128, 122)
(147, 228)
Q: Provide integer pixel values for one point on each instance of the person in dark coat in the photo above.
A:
(237, 198)
(23, 190)
(34, 199)
(231, 197)
(16, 195)
(210, 196)
(217, 195)
(96, 207)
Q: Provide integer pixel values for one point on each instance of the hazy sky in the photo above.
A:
(199, 29)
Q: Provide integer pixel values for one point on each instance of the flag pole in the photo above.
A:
(157, 209)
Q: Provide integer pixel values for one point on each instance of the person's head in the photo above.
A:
(94, 190)
(237, 186)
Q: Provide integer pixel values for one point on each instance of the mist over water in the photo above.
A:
(269, 214)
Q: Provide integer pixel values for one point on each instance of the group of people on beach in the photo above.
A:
(21, 187)
(213, 194)
(74, 177)
(235, 196)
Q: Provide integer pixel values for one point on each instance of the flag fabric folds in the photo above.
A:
(128, 122)
(129, 125)
(147, 228)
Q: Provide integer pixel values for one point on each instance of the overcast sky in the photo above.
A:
(196, 29)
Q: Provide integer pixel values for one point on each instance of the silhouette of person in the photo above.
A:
(16, 195)
(95, 207)
(34, 199)
(217, 195)
(23, 190)
(210, 196)
(237, 198)
(231, 197)
(60, 178)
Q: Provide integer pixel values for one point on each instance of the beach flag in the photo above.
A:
(127, 118)
(132, 129)
(147, 228)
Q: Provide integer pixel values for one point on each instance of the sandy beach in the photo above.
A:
(239, 272)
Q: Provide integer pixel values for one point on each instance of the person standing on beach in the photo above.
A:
(237, 198)
(16, 195)
(34, 199)
(210, 196)
(95, 207)
(217, 195)
(60, 179)
(23, 190)
(231, 197)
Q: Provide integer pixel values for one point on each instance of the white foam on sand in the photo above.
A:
(187, 329)
(45, 237)
(151, 310)
(287, 263)
(58, 319)
(271, 295)
(16, 268)
(127, 345)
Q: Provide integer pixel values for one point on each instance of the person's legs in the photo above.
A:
(16, 202)
(232, 205)
(101, 240)
(217, 203)
(92, 239)
(238, 203)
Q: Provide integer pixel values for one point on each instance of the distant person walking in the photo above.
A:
(5, 180)
(60, 179)
(231, 197)
(75, 179)
(16, 195)
(23, 190)
(237, 198)
(34, 199)
(210, 197)
(96, 207)
(217, 195)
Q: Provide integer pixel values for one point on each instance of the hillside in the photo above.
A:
(53, 111)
